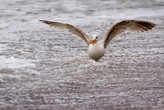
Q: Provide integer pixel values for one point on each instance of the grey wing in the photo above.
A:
(73, 29)
(120, 27)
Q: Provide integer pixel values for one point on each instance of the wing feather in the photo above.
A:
(132, 25)
(73, 29)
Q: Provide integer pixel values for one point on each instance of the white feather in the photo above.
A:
(96, 51)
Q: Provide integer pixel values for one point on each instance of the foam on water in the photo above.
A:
(14, 63)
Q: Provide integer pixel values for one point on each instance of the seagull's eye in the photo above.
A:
(96, 37)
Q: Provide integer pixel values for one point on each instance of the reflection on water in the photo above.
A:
(44, 68)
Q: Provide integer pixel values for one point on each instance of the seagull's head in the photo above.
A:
(94, 39)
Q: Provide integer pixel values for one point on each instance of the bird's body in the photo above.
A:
(96, 51)
(97, 48)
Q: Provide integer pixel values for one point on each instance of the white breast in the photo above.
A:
(96, 51)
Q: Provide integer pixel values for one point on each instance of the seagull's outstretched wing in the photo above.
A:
(73, 29)
(133, 25)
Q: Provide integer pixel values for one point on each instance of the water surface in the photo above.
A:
(43, 68)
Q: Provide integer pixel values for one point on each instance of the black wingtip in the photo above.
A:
(147, 25)
(46, 22)
(42, 21)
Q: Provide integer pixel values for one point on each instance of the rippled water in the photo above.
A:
(42, 68)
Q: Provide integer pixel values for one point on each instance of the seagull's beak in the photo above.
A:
(93, 41)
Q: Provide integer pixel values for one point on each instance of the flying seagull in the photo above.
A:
(97, 48)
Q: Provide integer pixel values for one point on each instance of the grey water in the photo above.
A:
(42, 68)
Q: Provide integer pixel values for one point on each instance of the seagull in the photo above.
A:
(97, 48)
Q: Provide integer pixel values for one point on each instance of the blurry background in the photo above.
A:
(44, 68)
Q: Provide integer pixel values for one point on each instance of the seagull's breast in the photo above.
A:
(96, 51)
